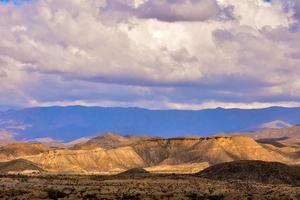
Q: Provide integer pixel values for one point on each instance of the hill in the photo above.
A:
(257, 171)
(277, 124)
(88, 161)
(112, 153)
(212, 150)
(108, 140)
(158, 155)
(21, 149)
(69, 123)
(19, 166)
(287, 136)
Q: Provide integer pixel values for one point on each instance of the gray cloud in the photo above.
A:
(292, 6)
(297, 9)
(169, 10)
(65, 52)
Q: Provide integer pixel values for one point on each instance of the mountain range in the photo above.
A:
(73, 122)
(113, 153)
(80, 139)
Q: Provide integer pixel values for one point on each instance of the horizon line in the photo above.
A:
(143, 108)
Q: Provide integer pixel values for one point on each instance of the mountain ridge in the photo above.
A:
(72, 122)
(155, 154)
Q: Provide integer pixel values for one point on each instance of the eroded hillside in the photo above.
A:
(113, 153)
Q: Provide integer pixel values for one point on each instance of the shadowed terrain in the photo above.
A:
(19, 166)
(256, 171)
(134, 172)
(289, 136)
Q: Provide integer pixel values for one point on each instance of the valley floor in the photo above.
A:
(148, 186)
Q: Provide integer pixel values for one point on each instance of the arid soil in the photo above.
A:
(141, 186)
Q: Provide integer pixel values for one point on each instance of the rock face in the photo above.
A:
(112, 153)
(92, 161)
(197, 150)
(19, 166)
(257, 171)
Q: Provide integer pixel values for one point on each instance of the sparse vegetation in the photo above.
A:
(55, 194)
(152, 169)
(151, 186)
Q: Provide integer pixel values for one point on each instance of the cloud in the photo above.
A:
(297, 10)
(258, 13)
(169, 11)
(81, 52)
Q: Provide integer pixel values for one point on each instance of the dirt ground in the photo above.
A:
(138, 187)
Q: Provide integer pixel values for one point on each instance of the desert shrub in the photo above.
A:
(194, 196)
(15, 192)
(23, 180)
(215, 197)
(130, 197)
(90, 197)
(55, 194)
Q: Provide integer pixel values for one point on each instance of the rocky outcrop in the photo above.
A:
(197, 150)
(88, 161)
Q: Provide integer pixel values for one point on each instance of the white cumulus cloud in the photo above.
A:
(158, 54)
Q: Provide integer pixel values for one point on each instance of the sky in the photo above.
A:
(171, 54)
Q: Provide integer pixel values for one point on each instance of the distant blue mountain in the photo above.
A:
(6, 108)
(68, 123)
